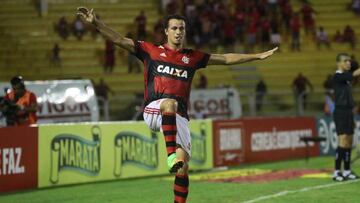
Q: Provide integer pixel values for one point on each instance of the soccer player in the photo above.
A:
(343, 116)
(168, 73)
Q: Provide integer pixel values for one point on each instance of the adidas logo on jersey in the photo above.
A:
(172, 71)
(163, 54)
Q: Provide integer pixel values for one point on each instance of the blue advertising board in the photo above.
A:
(326, 128)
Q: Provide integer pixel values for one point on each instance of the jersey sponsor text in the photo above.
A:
(172, 71)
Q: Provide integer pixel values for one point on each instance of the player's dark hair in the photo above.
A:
(175, 16)
(340, 55)
(17, 80)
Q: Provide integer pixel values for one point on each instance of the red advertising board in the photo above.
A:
(18, 158)
(269, 139)
(228, 142)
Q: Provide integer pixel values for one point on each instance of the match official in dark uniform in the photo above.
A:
(343, 116)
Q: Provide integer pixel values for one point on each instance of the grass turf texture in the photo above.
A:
(159, 189)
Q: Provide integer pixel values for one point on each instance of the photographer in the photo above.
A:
(19, 106)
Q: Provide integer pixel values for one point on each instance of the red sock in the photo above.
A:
(181, 186)
(168, 125)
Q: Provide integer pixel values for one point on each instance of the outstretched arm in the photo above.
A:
(356, 73)
(229, 59)
(89, 17)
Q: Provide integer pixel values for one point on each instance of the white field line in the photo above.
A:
(305, 189)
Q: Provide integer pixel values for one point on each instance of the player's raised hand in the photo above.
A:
(266, 54)
(86, 14)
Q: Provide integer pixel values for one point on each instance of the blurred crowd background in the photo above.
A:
(44, 40)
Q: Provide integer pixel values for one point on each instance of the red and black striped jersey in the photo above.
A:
(168, 73)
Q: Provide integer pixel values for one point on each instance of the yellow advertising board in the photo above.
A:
(201, 144)
(78, 153)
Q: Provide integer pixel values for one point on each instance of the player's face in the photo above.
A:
(175, 32)
(344, 63)
(18, 90)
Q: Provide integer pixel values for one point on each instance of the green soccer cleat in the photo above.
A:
(174, 164)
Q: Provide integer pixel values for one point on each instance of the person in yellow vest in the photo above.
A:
(25, 101)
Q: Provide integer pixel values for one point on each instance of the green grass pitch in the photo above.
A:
(159, 189)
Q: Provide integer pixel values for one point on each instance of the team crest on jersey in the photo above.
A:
(172, 71)
(185, 59)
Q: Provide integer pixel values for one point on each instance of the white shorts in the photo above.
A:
(153, 119)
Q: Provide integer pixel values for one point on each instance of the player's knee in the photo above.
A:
(168, 105)
(345, 141)
(349, 141)
(341, 140)
(184, 170)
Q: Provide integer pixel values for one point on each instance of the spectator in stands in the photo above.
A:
(78, 28)
(171, 7)
(286, 13)
(260, 90)
(338, 37)
(265, 33)
(272, 5)
(239, 18)
(329, 105)
(134, 64)
(216, 36)
(275, 37)
(251, 35)
(355, 6)
(62, 28)
(202, 83)
(140, 22)
(189, 7)
(328, 85)
(41, 7)
(229, 34)
(109, 56)
(158, 33)
(295, 32)
(299, 85)
(25, 101)
(308, 17)
(102, 91)
(55, 56)
(206, 30)
(322, 38)
(349, 36)
(193, 29)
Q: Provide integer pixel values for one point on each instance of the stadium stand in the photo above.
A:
(27, 39)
